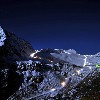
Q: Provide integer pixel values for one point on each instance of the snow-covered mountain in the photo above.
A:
(58, 72)
(77, 59)
(51, 74)
(44, 55)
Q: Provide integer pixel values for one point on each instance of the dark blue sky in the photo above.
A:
(61, 24)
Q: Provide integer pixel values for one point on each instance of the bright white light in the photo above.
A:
(63, 84)
(81, 69)
(85, 61)
(89, 67)
(73, 74)
(32, 55)
(56, 49)
(78, 72)
(53, 89)
(36, 57)
(37, 51)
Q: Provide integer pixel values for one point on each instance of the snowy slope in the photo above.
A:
(59, 79)
(2, 36)
(80, 60)
(70, 57)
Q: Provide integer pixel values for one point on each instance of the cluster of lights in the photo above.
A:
(33, 54)
(63, 84)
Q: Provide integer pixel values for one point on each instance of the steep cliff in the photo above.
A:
(12, 49)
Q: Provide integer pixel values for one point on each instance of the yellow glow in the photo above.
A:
(63, 84)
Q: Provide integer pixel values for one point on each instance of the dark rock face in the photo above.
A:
(9, 83)
(14, 49)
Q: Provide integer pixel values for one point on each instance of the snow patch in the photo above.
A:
(2, 36)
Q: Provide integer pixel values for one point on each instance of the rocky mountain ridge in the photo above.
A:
(12, 49)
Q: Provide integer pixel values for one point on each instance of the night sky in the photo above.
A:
(63, 24)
